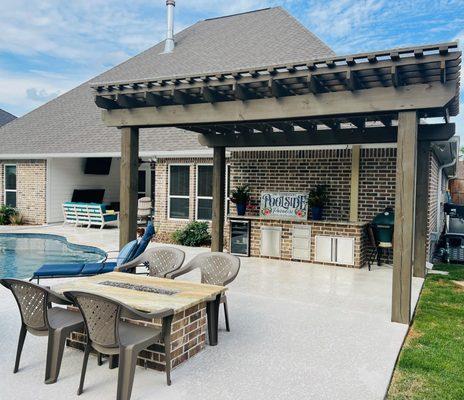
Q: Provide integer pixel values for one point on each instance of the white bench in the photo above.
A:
(88, 215)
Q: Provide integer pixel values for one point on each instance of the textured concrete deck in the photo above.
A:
(299, 331)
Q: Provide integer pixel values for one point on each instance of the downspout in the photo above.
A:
(440, 191)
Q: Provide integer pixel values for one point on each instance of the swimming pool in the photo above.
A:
(22, 253)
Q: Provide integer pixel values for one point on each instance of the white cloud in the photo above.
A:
(40, 95)
(20, 93)
(79, 31)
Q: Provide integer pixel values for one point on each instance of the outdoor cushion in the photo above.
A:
(59, 270)
(112, 217)
(98, 268)
(149, 232)
(127, 252)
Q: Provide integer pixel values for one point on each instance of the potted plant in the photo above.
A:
(318, 197)
(240, 196)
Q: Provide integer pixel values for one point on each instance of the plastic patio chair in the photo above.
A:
(107, 334)
(40, 319)
(159, 261)
(144, 210)
(216, 269)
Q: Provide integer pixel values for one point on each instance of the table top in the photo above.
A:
(144, 293)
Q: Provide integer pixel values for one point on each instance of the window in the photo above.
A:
(10, 185)
(228, 189)
(179, 181)
(142, 183)
(204, 192)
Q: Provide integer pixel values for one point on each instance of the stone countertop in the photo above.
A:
(295, 221)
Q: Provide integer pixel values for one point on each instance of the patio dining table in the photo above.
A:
(191, 303)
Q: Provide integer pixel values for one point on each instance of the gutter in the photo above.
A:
(143, 154)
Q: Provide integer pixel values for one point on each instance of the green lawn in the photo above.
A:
(431, 363)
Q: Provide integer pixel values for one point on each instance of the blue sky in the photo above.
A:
(50, 46)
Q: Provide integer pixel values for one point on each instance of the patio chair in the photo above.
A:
(129, 252)
(39, 318)
(144, 210)
(159, 261)
(107, 334)
(216, 269)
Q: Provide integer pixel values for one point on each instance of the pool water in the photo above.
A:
(22, 253)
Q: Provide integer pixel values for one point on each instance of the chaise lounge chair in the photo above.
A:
(128, 253)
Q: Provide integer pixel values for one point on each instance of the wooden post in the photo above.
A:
(219, 184)
(404, 216)
(128, 185)
(354, 191)
(422, 194)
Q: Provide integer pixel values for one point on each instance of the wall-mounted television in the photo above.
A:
(88, 196)
(97, 166)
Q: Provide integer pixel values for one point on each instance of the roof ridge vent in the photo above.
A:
(169, 43)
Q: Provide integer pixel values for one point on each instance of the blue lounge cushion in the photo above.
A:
(98, 268)
(59, 270)
(111, 217)
(127, 252)
(149, 232)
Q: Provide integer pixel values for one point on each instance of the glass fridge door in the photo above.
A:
(240, 238)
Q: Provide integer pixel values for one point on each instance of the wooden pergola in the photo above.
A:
(379, 97)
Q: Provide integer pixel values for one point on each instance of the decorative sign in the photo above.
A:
(288, 205)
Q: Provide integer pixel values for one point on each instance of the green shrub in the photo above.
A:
(194, 234)
(6, 212)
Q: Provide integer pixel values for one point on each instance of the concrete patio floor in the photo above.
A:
(299, 331)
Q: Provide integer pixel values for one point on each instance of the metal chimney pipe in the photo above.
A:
(169, 43)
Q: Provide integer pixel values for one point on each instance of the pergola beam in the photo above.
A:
(212, 95)
(430, 96)
(124, 100)
(436, 132)
(106, 103)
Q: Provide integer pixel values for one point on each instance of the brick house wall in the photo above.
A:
(293, 171)
(377, 181)
(457, 184)
(31, 181)
(164, 225)
(432, 202)
(301, 170)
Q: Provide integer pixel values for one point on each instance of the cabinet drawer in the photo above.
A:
(300, 254)
(301, 243)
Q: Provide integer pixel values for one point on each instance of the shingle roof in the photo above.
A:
(71, 123)
(5, 117)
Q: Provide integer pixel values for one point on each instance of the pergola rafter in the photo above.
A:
(400, 67)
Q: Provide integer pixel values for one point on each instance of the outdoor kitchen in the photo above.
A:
(310, 205)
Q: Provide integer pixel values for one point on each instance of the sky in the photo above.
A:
(50, 46)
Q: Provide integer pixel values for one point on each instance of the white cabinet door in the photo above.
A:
(345, 250)
(270, 241)
(323, 248)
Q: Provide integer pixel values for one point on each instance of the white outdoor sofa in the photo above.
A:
(88, 214)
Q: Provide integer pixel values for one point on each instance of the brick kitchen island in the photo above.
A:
(322, 239)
